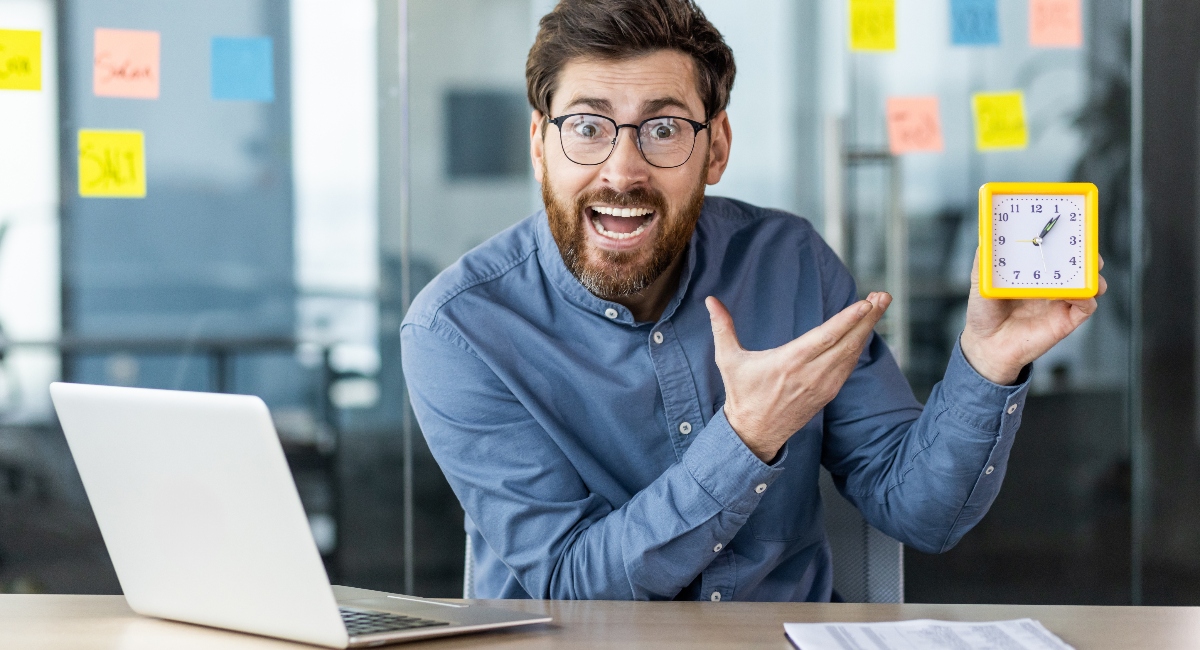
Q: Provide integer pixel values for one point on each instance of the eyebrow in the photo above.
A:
(649, 107)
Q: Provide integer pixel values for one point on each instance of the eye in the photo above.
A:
(587, 129)
(662, 129)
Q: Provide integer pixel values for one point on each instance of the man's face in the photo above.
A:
(612, 252)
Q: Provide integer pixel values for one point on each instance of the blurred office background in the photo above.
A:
(282, 238)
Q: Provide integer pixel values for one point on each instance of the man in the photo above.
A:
(579, 379)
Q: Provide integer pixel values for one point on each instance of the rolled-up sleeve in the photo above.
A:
(532, 507)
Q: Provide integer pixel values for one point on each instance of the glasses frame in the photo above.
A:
(697, 127)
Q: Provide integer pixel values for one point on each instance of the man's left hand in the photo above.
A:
(1002, 336)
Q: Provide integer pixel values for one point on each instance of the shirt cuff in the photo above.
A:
(977, 401)
(726, 468)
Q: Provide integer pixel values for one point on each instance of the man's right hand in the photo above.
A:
(769, 395)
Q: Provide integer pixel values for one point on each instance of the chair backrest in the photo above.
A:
(868, 566)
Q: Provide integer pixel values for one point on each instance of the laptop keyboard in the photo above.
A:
(361, 621)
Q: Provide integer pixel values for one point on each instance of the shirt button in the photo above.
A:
(990, 469)
(760, 488)
(1012, 409)
(610, 312)
(718, 547)
(685, 428)
(715, 597)
(658, 337)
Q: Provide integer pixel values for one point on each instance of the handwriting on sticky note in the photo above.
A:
(913, 124)
(125, 64)
(1055, 23)
(112, 164)
(999, 120)
(974, 22)
(20, 59)
(872, 25)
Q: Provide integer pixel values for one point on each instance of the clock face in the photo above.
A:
(1038, 241)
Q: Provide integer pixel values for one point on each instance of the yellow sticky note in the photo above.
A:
(20, 59)
(112, 164)
(872, 25)
(1000, 120)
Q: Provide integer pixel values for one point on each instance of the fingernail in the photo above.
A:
(865, 308)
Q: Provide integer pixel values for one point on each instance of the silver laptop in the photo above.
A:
(204, 524)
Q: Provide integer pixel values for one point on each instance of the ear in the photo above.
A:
(720, 138)
(537, 143)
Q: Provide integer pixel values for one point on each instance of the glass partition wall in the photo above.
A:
(282, 238)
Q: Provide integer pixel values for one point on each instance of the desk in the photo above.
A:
(93, 622)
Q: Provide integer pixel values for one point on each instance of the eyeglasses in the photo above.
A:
(665, 141)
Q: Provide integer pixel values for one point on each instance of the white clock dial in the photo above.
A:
(1038, 241)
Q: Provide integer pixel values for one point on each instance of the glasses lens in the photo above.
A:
(667, 141)
(587, 139)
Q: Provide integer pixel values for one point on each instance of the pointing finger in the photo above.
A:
(824, 336)
(725, 338)
(852, 344)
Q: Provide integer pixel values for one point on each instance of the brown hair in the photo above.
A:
(621, 29)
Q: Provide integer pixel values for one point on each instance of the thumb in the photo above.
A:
(724, 335)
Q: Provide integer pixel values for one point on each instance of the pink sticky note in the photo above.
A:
(913, 124)
(126, 64)
(1055, 23)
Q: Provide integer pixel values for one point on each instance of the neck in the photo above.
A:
(648, 304)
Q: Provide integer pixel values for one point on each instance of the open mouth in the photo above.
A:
(620, 223)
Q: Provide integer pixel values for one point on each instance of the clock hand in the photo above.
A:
(1043, 254)
(1046, 229)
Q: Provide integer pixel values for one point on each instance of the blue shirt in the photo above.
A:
(593, 458)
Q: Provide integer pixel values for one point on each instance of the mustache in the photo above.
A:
(634, 198)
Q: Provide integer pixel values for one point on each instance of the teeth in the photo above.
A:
(622, 212)
(616, 235)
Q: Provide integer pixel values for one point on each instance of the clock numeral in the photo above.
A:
(1004, 216)
(1002, 240)
(1057, 275)
(1072, 260)
(1017, 274)
(1002, 262)
(1037, 275)
(1073, 240)
(1037, 208)
(1072, 216)
(1056, 208)
(1015, 208)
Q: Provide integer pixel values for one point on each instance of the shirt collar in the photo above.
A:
(569, 286)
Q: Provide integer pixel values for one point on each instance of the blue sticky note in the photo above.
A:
(974, 22)
(243, 69)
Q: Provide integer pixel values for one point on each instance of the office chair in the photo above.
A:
(868, 566)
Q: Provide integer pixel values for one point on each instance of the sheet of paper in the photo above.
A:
(20, 59)
(112, 164)
(999, 120)
(1055, 23)
(1021, 634)
(125, 63)
(243, 69)
(974, 22)
(913, 124)
(872, 25)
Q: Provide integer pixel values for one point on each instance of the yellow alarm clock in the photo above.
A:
(1038, 240)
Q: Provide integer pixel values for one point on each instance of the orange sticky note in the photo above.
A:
(913, 124)
(126, 64)
(1055, 23)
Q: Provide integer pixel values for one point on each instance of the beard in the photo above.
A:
(613, 274)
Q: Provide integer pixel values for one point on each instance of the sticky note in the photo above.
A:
(1055, 23)
(999, 120)
(974, 22)
(20, 59)
(243, 69)
(125, 64)
(872, 25)
(913, 124)
(112, 164)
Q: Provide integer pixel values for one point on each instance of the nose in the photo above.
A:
(625, 168)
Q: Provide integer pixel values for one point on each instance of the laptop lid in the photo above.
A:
(198, 510)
